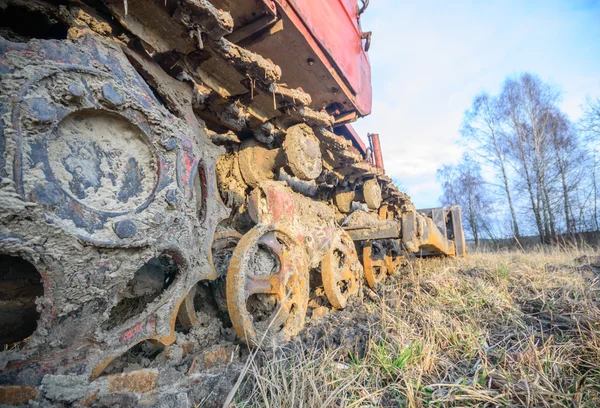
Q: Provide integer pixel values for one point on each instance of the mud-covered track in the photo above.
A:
(168, 199)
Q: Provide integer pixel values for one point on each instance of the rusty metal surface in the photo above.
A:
(103, 209)
(309, 67)
(343, 198)
(376, 150)
(303, 152)
(257, 163)
(448, 221)
(331, 50)
(371, 193)
(17, 395)
(186, 315)
(458, 233)
(246, 12)
(375, 262)
(349, 133)
(164, 25)
(385, 230)
(363, 225)
(91, 211)
(421, 233)
(312, 222)
(289, 284)
(341, 38)
(397, 256)
(340, 270)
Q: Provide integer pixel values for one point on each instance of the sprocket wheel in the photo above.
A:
(341, 271)
(287, 287)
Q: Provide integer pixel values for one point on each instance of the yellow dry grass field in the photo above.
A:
(494, 329)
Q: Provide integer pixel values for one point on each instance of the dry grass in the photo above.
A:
(495, 329)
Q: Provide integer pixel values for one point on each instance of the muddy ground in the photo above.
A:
(202, 366)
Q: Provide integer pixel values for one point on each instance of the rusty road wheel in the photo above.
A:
(394, 258)
(392, 263)
(267, 286)
(375, 262)
(341, 271)
(186, 316)
(223, 246)
(302, 151)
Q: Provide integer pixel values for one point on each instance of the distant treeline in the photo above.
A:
(528, 170)
(573, 240)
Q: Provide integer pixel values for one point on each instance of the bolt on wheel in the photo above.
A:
(341, 271)
(267, 286)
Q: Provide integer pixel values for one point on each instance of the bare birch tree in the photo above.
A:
(546, 169)
(590, 126)
(527, 105)
(483, 125)
(463, 184)
(569, 159)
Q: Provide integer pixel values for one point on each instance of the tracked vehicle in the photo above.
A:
(156, 152)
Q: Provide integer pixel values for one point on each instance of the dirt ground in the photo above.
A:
(494, 329)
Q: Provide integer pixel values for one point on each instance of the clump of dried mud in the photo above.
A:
(203, 364)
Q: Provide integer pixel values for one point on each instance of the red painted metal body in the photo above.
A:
(318, 45)
(320, 48)
(335, 27)
(349, 133)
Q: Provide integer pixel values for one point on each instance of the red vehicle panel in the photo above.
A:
(317, 44)
(334, 26)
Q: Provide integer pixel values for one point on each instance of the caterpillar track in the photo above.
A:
(155, 172)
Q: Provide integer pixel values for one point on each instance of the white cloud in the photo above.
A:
(430, 60)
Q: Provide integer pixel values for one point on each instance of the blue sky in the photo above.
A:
(429, 60)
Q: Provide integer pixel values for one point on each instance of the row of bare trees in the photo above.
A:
(527, 170)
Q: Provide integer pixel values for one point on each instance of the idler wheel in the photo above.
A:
(303, 152)
(267, 267)
(372, 193)
(375, 262)
(341, 271)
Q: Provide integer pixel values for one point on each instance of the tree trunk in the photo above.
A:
(534, 207)
(595, 195)
(550, 213)
(513, 215)
(473, 214)
(546, 196)
(542, 205)
(561, 169)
